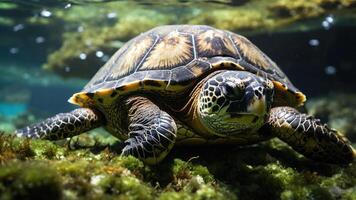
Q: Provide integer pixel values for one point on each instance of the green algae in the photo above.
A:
(187, 170)
(127, 187)
(6, 6)
(195, 182)
(268, 171)
(28, 180)
(14, 148)
(4, 21)
(89, 167)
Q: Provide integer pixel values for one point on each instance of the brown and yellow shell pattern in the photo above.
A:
(173, 58)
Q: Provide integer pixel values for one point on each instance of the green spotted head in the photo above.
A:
(232, 102)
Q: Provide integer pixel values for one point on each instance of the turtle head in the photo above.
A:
(234, 101)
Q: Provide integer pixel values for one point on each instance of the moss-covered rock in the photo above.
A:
(271, 170)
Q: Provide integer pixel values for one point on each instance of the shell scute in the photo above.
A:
(133, 57)
(181, 75)
(159, 75)
(214, 43)
(174, 49)
(251, 53)
(198, 67)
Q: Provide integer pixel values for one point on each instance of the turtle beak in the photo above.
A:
(256, 103)
(257, 107)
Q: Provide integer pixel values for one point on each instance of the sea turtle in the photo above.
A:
(193, 84)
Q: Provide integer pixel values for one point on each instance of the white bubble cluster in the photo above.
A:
(327, 22)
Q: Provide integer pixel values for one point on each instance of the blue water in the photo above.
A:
(12, 109)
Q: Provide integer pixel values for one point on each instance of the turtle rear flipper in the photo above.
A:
(309, 136)
(63, 125)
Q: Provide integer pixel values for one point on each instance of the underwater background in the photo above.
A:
(50, 49)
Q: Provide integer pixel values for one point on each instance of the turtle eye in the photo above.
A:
(233, 91)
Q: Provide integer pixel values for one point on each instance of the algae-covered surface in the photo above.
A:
(89, 166)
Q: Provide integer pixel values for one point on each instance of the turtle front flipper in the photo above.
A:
(63, 125)
(309, 136)
(152, 132)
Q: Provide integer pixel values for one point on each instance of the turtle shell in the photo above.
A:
(173, 58)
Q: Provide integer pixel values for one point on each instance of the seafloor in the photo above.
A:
(312, 40)
(89, 167)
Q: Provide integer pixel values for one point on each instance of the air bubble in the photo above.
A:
(111, 15)
(105, 58)
(326, 25)
(18, 27)
(314, 42)
(40, 39)
(68, 5)
(14, 50)
(67, 69)
(330, 70)
(82, 56)
(330, 19)
(45, 13)
(99, 54)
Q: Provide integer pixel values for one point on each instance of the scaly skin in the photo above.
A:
(309, 136)
(63, 125)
